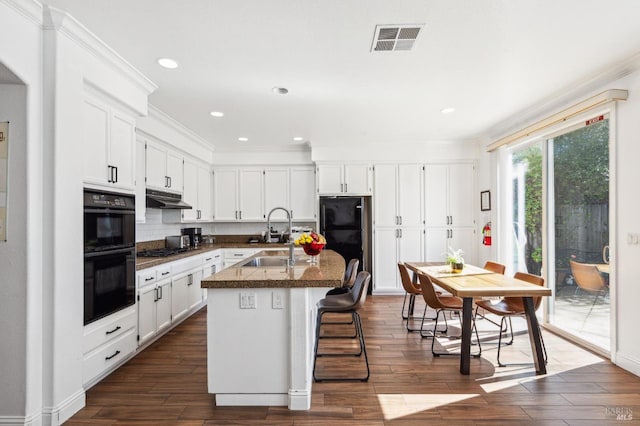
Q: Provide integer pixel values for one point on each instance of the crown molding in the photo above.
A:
(158, 114)
(60, 21)
(30, 9)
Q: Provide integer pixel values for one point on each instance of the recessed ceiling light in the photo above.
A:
(298, 138)
(447, 110)
(280, 90)
(243, 139)
(168, 63)
(217, 114)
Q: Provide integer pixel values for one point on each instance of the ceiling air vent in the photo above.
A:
(395, 37)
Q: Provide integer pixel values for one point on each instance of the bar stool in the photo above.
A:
(348, 303)
(349, 277)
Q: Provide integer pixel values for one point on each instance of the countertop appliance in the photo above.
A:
(177, 241)
(109, 253)
(344, 222)
(194, 234)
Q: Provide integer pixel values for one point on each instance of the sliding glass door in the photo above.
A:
(555, 223)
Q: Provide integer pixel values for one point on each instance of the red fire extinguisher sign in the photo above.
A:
(486, 234)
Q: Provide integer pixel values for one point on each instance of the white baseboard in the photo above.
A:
(299, 399)
(59, 414)
(33, 420)
(630, 364)
(256, 399)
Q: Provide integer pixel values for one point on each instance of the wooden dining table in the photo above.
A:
(475, 282)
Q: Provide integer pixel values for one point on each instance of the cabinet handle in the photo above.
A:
(155, 295)
(208, 259)
(240, 214)
(236, 214)
(160, 291)
(238, 254)
(342, 187)
(116, 353)
(345, 188)
(190, 279)
(451, 220)
(400, 219)
(113, 331)
(400, 231)
(148, 279)
(165, 273)
(115, 169)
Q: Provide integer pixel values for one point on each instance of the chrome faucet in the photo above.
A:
(292, 260)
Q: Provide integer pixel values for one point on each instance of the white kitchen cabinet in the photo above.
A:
(398, 195)
(154, 302)
(141, 195)
(449, 211)
(251, 205)
(235, 255)
(303, 196)
(196, 193)
(225, 194)
(110, 151)
(393, 245)
(345, 179)
(276, 192)
(164, 168)
(195, 291)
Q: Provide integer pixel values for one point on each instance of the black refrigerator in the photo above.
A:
(344, 224)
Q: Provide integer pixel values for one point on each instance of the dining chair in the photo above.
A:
(509, 307)
(588, 278)
(496, 268)
(411, 290)
(441, 304)
(350, 302)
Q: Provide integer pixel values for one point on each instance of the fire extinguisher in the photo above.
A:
(486, 234)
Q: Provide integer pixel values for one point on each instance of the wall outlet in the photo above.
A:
(276, 301)
(248, 300)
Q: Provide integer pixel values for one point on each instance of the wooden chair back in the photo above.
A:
(429, 292)
(407, 282)
(515, 303)
(498, 268)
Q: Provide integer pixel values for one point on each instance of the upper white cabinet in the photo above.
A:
(110, 153)
(197, 192)
(164, 168)
(352, 179)
(248, 194)
(449, 210)
(398, 195)
(303, 196)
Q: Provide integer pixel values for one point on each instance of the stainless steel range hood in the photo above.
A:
(165, 200)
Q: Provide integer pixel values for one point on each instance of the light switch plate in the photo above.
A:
(276, 301)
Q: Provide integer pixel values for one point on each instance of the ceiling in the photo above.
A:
(488, 59)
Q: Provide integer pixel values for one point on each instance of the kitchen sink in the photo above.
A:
(268, 261)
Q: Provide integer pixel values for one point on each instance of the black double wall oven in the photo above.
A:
(109, 253)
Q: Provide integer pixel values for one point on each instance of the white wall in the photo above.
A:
(21, 256)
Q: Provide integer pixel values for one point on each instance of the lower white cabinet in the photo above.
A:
(393, 245)
(154, 304)
(107, 343)
(233, 256)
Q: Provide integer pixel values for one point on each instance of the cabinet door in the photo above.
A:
(190, 192)
(225, 194)
(330, 179)
(436, 211)
(179, 297)
(357, 179)
(464, 238)
(95, 135)
(303, 193)
(204, 193)
(410, 195)
(175, 172)
(385, 260)
(122, 150)
(436, 240)
(156, 166)
(276, 192)
(461, 194)
(146, 313)
(410, 245)
(141, 196)
(384, 198)
(195, 292)
(251, 202)
(163, 306)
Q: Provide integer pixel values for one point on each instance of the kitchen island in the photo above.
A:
(261, 325)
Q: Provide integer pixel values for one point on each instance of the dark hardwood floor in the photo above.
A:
(166, 384)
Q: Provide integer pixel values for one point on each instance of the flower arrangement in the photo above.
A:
(455, 259)
(312, 243)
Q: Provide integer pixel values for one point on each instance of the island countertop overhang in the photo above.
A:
(328, 272)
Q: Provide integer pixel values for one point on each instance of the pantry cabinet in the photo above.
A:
(344, 179)
(398, 195)
(393, 245)
(109, 141)
(449, 210)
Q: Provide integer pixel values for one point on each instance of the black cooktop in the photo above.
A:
(161, 252)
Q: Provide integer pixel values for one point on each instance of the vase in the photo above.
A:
(456, 268)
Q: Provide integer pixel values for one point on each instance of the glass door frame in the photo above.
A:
(548, 204)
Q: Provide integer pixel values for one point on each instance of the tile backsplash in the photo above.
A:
(155, 229)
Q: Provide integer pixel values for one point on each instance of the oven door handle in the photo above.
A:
(110, 211)
(107, 252)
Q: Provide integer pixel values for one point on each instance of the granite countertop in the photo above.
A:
(150, 262)
(327, 273)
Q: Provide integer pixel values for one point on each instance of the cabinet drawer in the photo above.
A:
(109, 328)
(146, 277)
(163, 272)
(108, 355)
